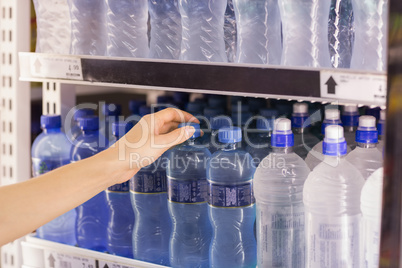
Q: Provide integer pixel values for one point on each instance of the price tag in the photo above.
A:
(353, 86)
(109, 264)
(54, 66)
(61, 260)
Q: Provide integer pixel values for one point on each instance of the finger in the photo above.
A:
(167, 127)
(175, 115)
(175, 137)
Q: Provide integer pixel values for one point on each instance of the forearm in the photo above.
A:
(32, 203)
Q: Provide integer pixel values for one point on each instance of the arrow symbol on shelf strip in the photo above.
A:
(37, 66)
(331, 85)
(52, 261)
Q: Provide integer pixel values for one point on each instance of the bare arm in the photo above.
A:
(28, 205)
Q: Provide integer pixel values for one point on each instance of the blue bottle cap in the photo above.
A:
(350, 116)
(332, 117)
(282, 135)
(221, 121)
(240, 119)
(269, 113)
(217, 101)
(50, 121)
(181, 97)
(82, 113)
(89, 123)
(134, 106)
(299, 115)
(367, 132)
(144, 110)
(265, 124)
(195, 108)
(120, 129)
(229, 135)
(197, 132)
(164, 99)
(111, 109)
(210, 112)
(334, 143)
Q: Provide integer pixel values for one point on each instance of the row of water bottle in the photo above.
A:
(338, 33)
(192, 208)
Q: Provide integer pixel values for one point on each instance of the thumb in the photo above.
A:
(175, 137)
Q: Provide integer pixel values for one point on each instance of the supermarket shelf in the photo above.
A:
(324, 85)
(38, 253)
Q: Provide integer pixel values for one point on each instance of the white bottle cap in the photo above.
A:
(332, 114)
(334, 132)
(367, 121)
(300, 108)
(350, 108)
(382, 115)
(282, 124)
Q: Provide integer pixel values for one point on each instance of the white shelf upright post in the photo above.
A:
(15, 126)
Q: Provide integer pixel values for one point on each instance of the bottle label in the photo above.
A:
(149, 182)
(188, 191)
(40, 166)
(239, 195)
(281, 238)
(120, 187)
(332, 241)
(371, 241)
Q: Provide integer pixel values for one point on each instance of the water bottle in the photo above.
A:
(366, 157)
(134, 106)
(88, 27)
(315, 155)
(341, 33)
(165, 29)
(217, 101)
(256, 104)
(278, 189)
(121, 218)
(350, 120)
(304, 140)
(111, 112)
(373, 112)
(144, 110)
(331, 199)
(259, 146)
(231, 204)
(93, 215)
(212, 139)
(152, 227)
(188, 207)
(259, 31)
(370, 205)
(245, 123)
(381, 131)
(50, 150)
(305, 33)
(202, 30)
(230, 32)
(53, 33)
(180, 99)
(75, 130)
(370, 45)
(127, 28)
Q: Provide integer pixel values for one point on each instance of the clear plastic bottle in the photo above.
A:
(370, 24)
(152, 227)
(165, 29)
(243, 120)
(202, 30)
(260, 145)
(366, 157)
(259, 31)
(75, 130)
(331, 198)
(188, 207)
(305, 32)
(50, 150)
(315, 155)
(211, 139)
(370, 205)
(341, 33)
(231, 204)
(93, 215)
(53, 33)
(350, 121)
(127, 28)
(278, 189)
(88, 27)
(381, 131)
(121, 215)
(304, 140)
(230, 32)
